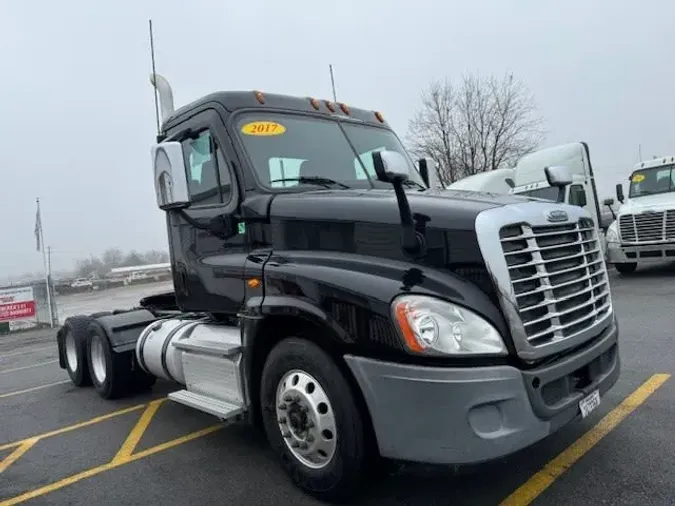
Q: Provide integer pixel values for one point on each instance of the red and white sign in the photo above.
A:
(17, 304)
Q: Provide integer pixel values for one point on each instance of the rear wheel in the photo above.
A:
(74, 345)
(626, 268)
(110, 372)
(312, 420)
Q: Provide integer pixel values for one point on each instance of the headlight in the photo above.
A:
(432, 326)
(612, 235)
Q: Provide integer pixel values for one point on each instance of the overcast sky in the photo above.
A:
(77, 113)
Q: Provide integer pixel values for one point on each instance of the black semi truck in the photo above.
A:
(324, 292)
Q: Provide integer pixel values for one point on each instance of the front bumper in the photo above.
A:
(618, 253)
(470, 415)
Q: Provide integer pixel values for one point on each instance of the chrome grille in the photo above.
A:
(649, 226)
(558, 277)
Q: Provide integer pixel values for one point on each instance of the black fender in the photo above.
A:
(318, 279)
(123, 329)
(351, 295)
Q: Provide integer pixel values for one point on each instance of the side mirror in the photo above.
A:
(424, 171)
(619, 193)
(171, 184)
(510, 182)
(609, 203)
(428, 172)
(559, 177)
(390, 166)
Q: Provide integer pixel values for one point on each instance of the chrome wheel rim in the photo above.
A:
(306, 419)
(71, 352)
(98, 363)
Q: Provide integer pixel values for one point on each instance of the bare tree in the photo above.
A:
(480, 125)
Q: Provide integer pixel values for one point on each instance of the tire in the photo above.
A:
(626, 268)
(74, 345)
(341, 477)
(110, 372)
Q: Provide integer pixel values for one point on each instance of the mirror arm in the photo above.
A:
(411, 243)
(214, 226)
(561, 194)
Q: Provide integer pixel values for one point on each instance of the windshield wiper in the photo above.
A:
(322, 181)
(410, 182)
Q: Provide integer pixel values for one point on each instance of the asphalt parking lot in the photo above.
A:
(63, 445)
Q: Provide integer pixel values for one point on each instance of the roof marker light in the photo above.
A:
(379, 116)
(330, 106)
(259, 96)
(315, 103)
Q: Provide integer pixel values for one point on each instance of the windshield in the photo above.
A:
(547, 192)
(650, 181)
(284, 147)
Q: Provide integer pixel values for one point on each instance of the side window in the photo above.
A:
(209, 180)
(577, 195)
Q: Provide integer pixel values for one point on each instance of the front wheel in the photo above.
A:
(312, 420)
(626, 268)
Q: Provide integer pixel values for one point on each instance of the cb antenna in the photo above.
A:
(332, 82)
(154, 76)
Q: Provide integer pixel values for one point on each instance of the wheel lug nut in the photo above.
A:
(303, 446)
(310, 424)
(310, 438)
(288, 398)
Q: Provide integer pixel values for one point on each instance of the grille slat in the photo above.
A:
(558, 277)
(649, 226)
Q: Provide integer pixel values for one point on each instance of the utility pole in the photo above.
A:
(39, 236)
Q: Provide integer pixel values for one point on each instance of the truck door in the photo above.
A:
(208, 262)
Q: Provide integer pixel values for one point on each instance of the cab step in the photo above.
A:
(216, 407)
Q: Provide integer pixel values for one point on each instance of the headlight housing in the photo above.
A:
(431, 326)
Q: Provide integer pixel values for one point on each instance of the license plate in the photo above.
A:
(589, 403)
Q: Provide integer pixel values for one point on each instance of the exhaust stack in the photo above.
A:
(165, 95)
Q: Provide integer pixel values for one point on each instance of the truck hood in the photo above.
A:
(444, 209)
(659, 202)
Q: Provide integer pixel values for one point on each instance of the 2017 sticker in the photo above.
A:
(263, 128)
(638, 178)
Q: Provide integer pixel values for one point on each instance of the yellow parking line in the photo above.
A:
(531, 489)
(75, 426)
(28, 366)
(137, 432)
(33, 389)
(16, 454)
(106, 467)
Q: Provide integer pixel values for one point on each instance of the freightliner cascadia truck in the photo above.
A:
(326, 294)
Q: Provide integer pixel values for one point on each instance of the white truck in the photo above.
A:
(528, 179)
(644, 229)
